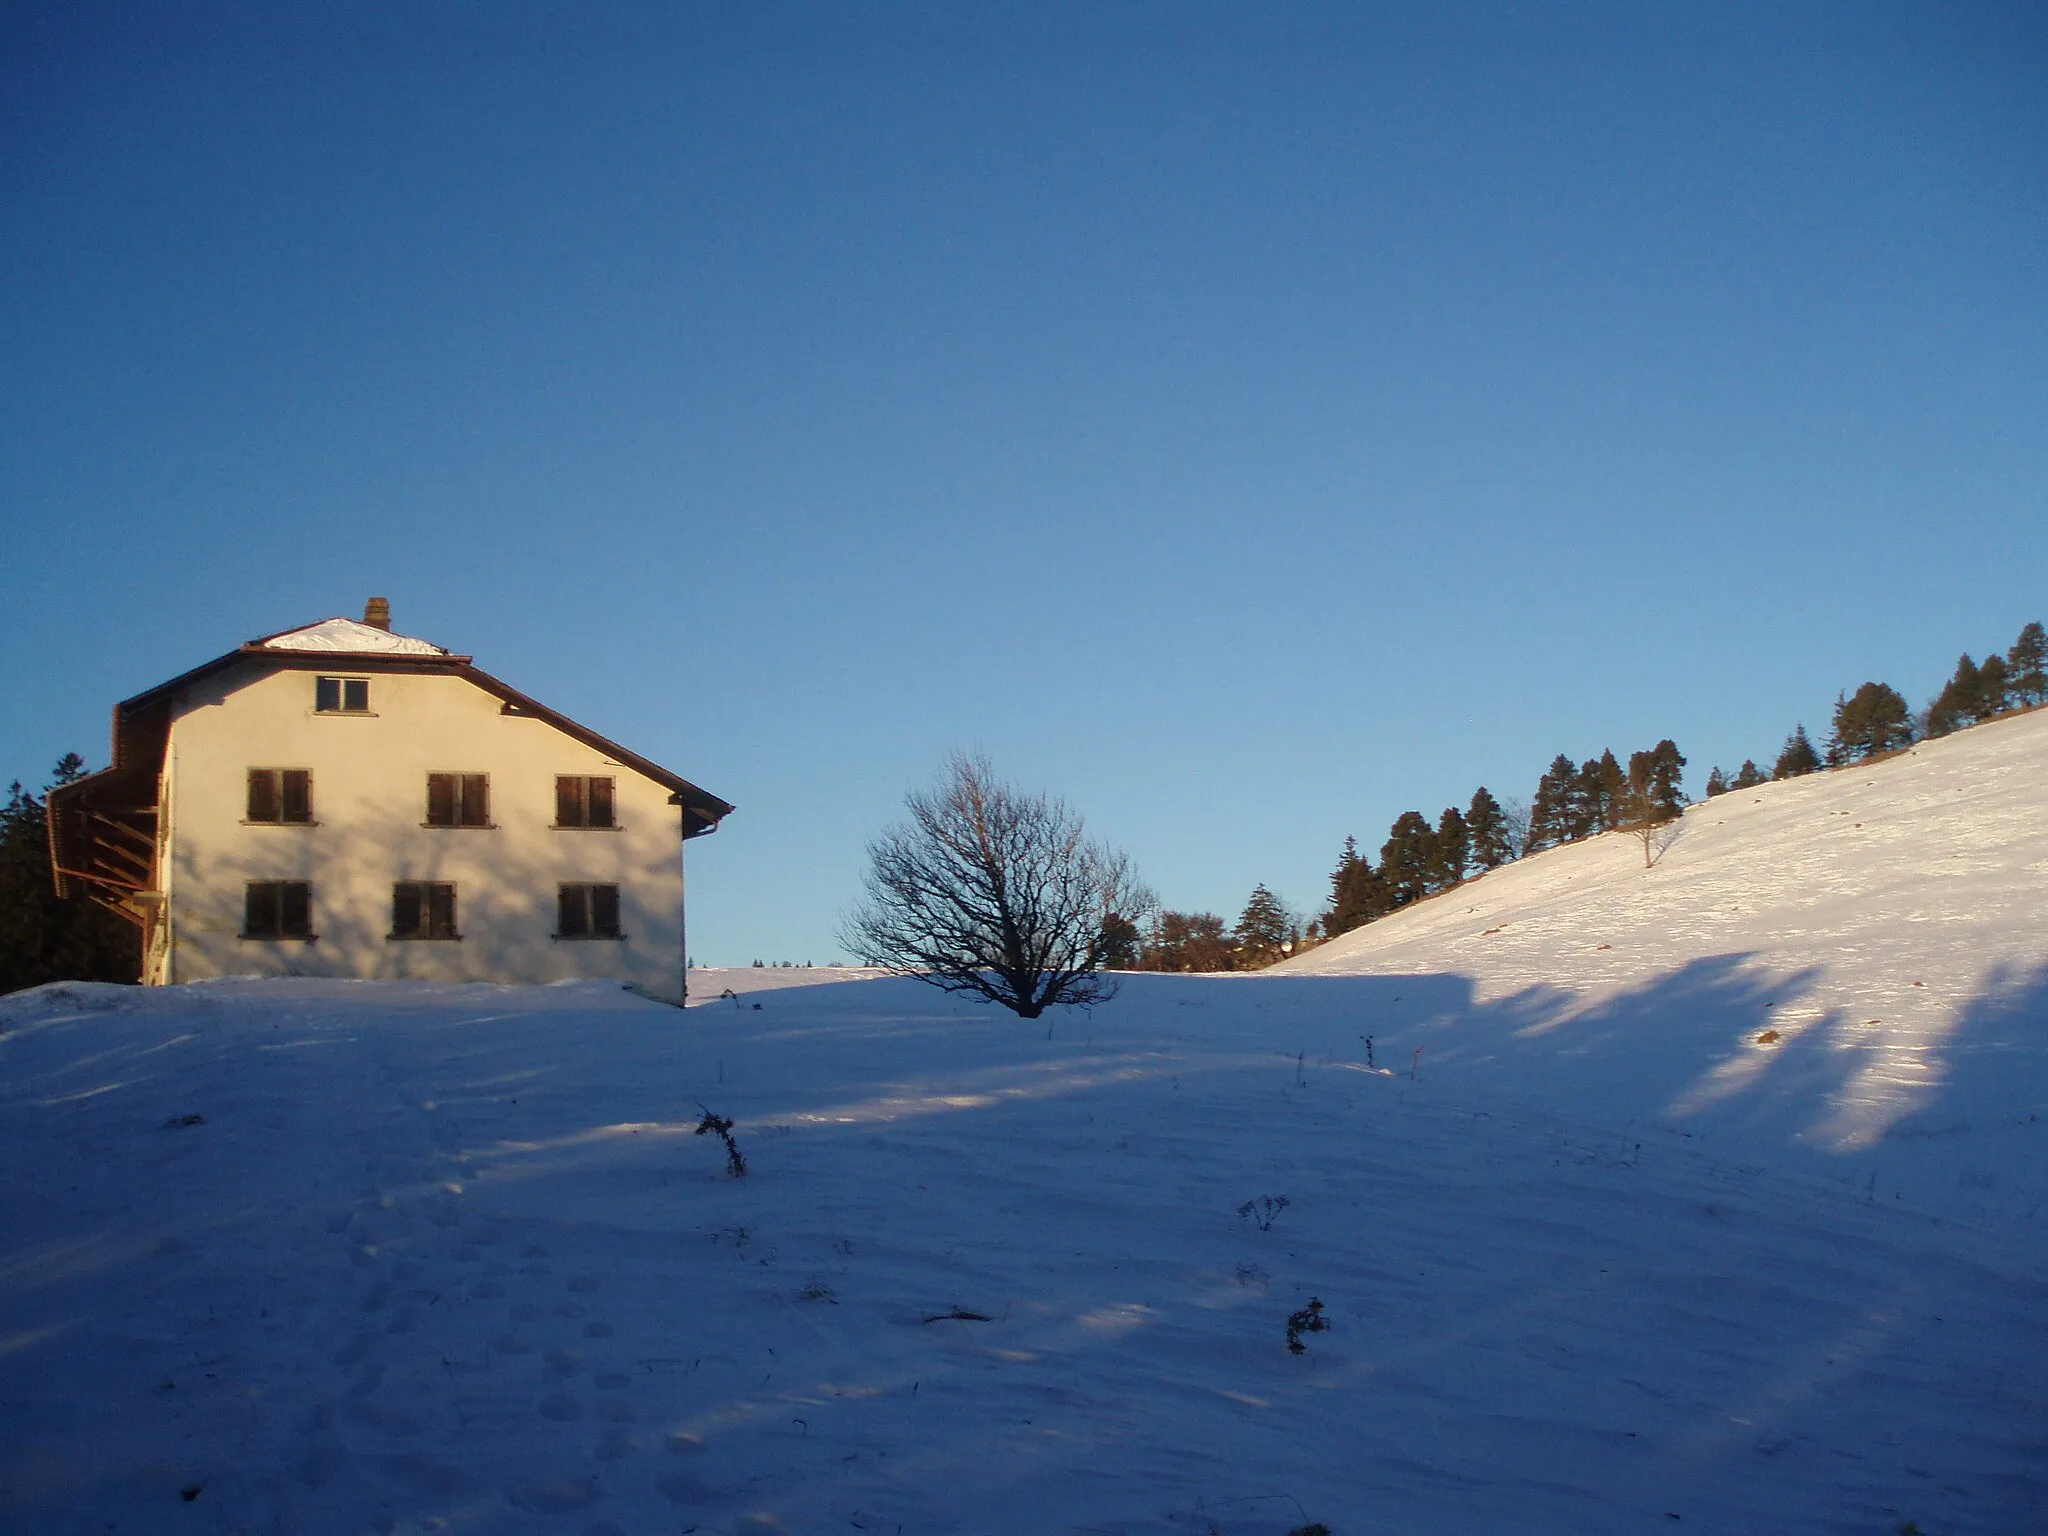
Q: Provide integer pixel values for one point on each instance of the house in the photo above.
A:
(339, 800)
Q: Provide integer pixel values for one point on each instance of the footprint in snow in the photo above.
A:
(613, 1381)
(511, 1344)
(525, 1312)
(404, 1320)
(437, 1478)
(317, 1467)
(560, 1407)
(597, 1330)
(584, 1282)
(616, 1445)
(612, 1411)
(486, 1290)
(565, 1362)
(356, 1351)
(533, 1251)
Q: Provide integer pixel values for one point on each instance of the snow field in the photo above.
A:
(1597, 1256)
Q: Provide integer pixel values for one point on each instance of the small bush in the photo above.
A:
(1308, 1320)
(1263, 1211)
(718, 1125)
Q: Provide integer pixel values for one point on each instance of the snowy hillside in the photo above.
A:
(332, 1257)
(1889, 924)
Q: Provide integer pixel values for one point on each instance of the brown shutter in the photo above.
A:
(441, 914)
(405, 910)
(295, 909)
(298, 794)
(604, 911)
(568, 801)
(569, 914)
(440, 799)
(476, 800)
(263, 794)
(259, 909)
(600, 803)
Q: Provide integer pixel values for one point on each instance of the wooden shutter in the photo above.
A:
(604, 911)
(476, 801)
(263, 804)
(259, 910)
(295, 909)
(405, 910)
(440, 799)
(568, 801)
(441, 912)
(297, 799)
(571, 920)
(600, 803)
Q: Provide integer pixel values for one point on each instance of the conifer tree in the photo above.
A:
(1653, 780)
(1453, 849)
(1872, 720)
(1487, 827)
(1993, 687)
(1605, 788)
(1188, 941)
(1407, 858)
(1956, 705)
(1357, 894)
(1550, 811)
(1265, 931)
(1717, 783)
(2026, 666)
(1796, 757)
(1748, 776)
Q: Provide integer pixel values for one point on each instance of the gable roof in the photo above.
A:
(141, 723)
(346, 635)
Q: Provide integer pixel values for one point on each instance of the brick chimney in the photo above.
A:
(377, 613)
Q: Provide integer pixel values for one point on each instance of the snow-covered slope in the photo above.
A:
(1888, 925)
(356, 1257)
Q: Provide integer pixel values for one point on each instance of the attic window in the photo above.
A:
(341, 696)
(582, 802)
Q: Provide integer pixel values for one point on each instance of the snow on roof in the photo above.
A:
(348, 635)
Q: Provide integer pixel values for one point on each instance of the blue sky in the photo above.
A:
(1248, 422)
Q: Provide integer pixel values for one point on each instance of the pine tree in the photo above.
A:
(1748, 776)
(1357, 894)
(1956, 705)
(2026, 666)
(1872, 720)
(1453, 849)
(1653, 781)
(1717, 783)
(1407, 858)
(1487, 827)
(1796, 757)
(1265, 931)
(1993, 687)
(1188, 941)
(1605, 790)
(1550, 811)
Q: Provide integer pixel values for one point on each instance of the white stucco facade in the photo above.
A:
(368, 770)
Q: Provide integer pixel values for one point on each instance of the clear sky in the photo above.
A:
(1249, 421)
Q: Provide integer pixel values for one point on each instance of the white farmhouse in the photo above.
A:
(339, 800)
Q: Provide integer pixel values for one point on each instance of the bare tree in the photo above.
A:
(990, 890)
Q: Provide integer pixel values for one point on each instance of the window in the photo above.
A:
(277, 909)
(588, 912)
(280, 794)
(423, 909)
(342, 695)
(582, 802)
(458, 800)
